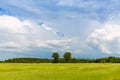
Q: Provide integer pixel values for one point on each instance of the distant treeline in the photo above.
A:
(27, 60)
(66, 59)
(110, 59)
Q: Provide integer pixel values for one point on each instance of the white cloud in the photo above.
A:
(13, 24)
(18, 35)
(106, 39)
(60, 45)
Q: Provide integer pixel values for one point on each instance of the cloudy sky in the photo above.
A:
(36, 28)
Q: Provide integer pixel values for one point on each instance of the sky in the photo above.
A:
(37, 28)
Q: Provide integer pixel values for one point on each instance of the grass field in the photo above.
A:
(60, 71)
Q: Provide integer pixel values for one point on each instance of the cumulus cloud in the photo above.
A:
(20, 35)
(106, 39)
(60, 45)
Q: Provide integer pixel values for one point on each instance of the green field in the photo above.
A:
(59, 71)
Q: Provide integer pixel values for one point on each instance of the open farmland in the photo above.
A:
(59, 71)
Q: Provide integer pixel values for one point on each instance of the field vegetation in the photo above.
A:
(50, 71)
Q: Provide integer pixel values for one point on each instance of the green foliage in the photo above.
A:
(110, 59)
(56, 57)
(67, 56)
(66, 59)
(27, 60)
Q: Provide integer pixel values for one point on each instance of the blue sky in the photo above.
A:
(36, 28)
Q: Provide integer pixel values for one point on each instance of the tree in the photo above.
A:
(56, 57)
(111, 59)
(67, 56)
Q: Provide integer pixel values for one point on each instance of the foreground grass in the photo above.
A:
(59, 71)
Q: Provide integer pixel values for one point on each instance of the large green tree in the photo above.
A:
(56, 57)
(67, 56)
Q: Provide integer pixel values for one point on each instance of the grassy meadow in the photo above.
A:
(59, 71)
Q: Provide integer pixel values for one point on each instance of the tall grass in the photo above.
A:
(59, 71)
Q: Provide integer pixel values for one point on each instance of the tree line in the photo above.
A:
(67, 58)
